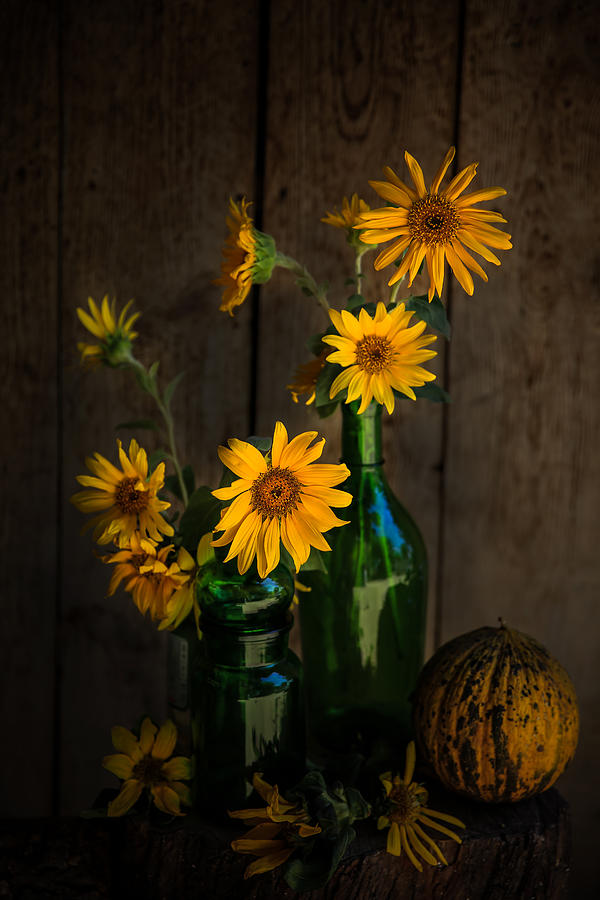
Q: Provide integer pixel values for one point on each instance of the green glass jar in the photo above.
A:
(245, 689)
(363, 622)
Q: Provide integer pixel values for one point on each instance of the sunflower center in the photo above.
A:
(149, 770)
(275, 493)
(128, 499)
(433, 220)
(406, 801)
(373, 353)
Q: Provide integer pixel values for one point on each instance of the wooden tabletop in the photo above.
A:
(509, 852)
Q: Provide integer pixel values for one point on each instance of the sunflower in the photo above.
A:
(279, 829)
(248, 257)
(305, 378)
(280, 497)
(144, 764)
(115, 334)
(127, 499)
(379, 355)
(434, 225)
(407, 807)
(157, 586)
(349, 216)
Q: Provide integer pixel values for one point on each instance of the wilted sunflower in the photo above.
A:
(434, 225)
(114, 333)
(156, 585)
(280, 828)
(279, 497)
(305, 378)
(349, 215)
(248, 257)
(407, 807)
(127, 498)
(144, 764)
(379, 355)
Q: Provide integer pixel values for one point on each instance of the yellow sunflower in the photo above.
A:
(282, 497)
(434, 225)
(248, 257)
(144, 764)
(279, 829)
(239, 255)
(157, 586)
(407, 810)
(114, 333)
(379, 355)
(305, 378)
(349, 215)
(126, 500)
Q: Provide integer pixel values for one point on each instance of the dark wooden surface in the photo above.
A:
(125, 127)
(508, 851)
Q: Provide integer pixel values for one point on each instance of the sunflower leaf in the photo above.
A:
(156, 457)
(148, 424)
(172, 482)
(434, 313)
(355, 301)
(315, 869)
(170, 389)
(201, 515)
(430, 391)
(261, 443)
(315, 344)
(153, 370)
(327, 376)
(315, 562)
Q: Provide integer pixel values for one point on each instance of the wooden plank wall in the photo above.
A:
(125, 127)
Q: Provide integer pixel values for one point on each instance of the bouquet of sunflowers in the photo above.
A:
(275, 503)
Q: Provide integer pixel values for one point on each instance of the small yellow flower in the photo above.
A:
(349, 215)
(279, 829)
(126, 500)
(184, 600)
(144, 764)
(406, 808)
(434, 225)
(157, 586)
(282, 497)
(305, 378)
(114, 333)
(378, 355)
(248, 257)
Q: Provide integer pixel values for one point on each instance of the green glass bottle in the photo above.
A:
(246, 702)
(363, 622)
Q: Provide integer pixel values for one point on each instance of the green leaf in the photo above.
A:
(201, 515)
(430, 391)
(315, 344)
(170, 389)
(315, 562)
(327, 409)
(316, 868)
(156, 457)
(148, 424)
(172, 482)
(152, 371)
(355, 301)
(327, 376)
(261, 443)
(434, 313)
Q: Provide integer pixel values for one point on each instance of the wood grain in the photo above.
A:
(351, 87)
(28, 399)
(151, 155)
(523, 471)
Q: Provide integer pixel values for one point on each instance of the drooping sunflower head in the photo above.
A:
(248, 257)
(147, 764)
(281, 497)
(379, 354)
(125, 500)
(305, 378)
(114, 333)
(348, 217)
(434, 225)
(406, 811)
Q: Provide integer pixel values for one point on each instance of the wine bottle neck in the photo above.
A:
(361, 435)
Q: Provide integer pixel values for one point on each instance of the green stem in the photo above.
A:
(394, 291)
(150, 386)
(304, 280)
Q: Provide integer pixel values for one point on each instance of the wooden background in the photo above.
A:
(125, 126)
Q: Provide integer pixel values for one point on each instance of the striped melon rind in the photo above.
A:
(496, 715)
